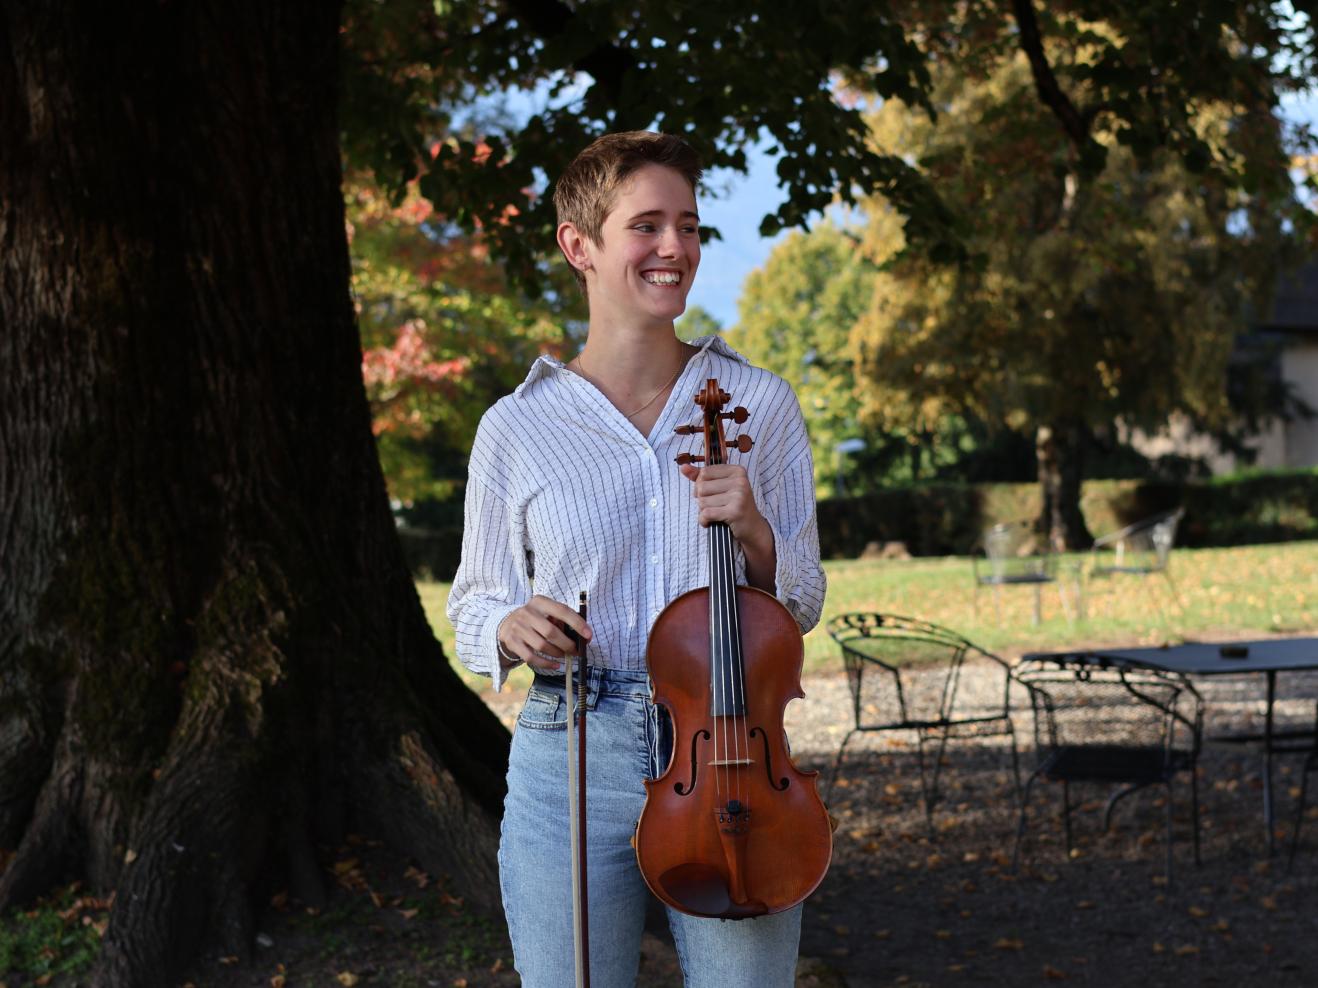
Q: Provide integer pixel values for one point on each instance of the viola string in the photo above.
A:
(729, 659)
(740, 662)
(715, 606)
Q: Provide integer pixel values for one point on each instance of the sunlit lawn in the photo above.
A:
(1265, 590)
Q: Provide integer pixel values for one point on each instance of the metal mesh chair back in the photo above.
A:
(1129, 729)
(1108, 709)
(1014, 553)
(1144, 547)
(904, 674)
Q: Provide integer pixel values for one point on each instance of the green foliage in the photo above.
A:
(946, 519)
(59, 936)
(429, 90)
(695, 323)
(1112, 297)
(796, 313)
(1101, 289)
(722, 74)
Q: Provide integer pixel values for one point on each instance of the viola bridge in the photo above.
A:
(730, 762)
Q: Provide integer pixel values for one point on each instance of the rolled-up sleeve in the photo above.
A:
(789, 507)
(492, 579)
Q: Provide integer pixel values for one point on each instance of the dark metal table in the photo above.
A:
(1269, 657)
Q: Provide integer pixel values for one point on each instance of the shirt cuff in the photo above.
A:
(786, 578)
(499, 666)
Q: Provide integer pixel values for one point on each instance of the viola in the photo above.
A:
(732, 828)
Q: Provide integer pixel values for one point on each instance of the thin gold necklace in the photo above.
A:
(582, 364)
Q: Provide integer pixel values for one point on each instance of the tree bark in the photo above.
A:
(1060, 451)
(212, 658)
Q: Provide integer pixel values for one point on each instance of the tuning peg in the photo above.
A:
(685, 458)
(743, 443)
(738, 415)
(688, 430)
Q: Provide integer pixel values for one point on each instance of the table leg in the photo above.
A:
(1267, 759)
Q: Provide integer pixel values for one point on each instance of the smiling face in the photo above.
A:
(644, 266)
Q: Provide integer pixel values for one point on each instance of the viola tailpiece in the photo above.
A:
(731, 829)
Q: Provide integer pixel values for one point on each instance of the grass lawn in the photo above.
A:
(1237, 592)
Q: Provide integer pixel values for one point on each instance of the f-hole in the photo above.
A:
(782, 783)
(677, 786)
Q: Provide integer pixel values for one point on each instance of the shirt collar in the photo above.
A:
(546, 365)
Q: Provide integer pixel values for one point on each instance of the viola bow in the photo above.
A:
(576, 783)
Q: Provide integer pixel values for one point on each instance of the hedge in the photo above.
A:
(947, 519)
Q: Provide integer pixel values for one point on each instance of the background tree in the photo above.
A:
(795, 318)
(697, 322)
(1109, 275)
(445, 334)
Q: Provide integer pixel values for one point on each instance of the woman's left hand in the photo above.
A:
(723, 493)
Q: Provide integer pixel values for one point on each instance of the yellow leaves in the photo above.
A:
(347, 979)
(1008, 943)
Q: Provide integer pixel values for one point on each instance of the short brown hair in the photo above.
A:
(588, 187)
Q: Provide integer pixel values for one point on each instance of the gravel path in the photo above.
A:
(904, 906)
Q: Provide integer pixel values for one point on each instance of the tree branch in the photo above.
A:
(1073, 122)
(606, 63)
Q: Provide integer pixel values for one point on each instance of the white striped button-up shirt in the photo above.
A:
(565, 495)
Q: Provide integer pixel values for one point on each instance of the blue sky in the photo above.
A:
(745, 199)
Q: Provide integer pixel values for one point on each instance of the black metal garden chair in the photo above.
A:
(904, 675)
(1310, 750)
(1113, 727)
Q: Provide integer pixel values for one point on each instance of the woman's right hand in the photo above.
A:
(534, 632)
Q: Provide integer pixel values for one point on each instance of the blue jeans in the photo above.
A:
(626, 742)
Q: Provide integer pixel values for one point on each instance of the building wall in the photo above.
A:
(1299, 367)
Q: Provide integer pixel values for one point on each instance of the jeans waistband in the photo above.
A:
(610, 682)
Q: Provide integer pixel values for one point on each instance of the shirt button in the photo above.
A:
(654, 501)
(654, 559)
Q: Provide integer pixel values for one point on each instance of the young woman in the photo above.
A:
(572, 487)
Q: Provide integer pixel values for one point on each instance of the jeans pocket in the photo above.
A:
(543, 711)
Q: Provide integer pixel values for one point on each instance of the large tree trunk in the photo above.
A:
(211, 655)
(1060, 451)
